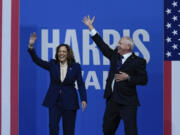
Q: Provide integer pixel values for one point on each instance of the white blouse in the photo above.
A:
(63, 71)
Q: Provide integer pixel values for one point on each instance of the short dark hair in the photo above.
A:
(70, 54)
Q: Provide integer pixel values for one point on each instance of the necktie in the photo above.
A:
(119, 62)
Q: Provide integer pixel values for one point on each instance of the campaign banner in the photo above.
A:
(60, 21)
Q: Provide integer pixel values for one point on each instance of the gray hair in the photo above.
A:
(129, 41)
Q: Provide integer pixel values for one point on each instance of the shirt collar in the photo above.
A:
(127, 55)
(63, 65)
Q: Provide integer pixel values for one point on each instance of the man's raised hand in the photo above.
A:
(89, 22)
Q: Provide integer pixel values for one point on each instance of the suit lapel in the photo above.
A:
(69, 69)
(58, 71)
(113, 68)
(66, 74)
(128, 60)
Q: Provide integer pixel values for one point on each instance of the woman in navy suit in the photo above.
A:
(61, 97)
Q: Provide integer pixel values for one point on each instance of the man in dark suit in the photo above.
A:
(126, 71)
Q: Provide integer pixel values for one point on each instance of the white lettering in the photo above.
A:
(92, 80)
(71, 39)
(139, 44)
(86, 50)
(45, 44)
(107, 33)
(90, 49)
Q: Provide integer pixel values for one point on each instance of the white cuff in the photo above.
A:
(93, 32)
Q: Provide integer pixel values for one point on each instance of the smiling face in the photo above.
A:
(62, 54)
(124, 46)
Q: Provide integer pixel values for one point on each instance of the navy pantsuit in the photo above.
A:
(61, 97)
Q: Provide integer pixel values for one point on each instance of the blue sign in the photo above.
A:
(57, 22)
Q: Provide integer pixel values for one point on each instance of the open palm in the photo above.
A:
(87, 21)
(32, 38)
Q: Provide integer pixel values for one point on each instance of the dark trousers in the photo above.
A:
(114, 113)
(68, 120)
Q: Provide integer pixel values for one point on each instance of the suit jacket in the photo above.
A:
(65, 91)
(124, 92)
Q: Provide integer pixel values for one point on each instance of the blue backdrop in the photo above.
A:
(60, 21)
